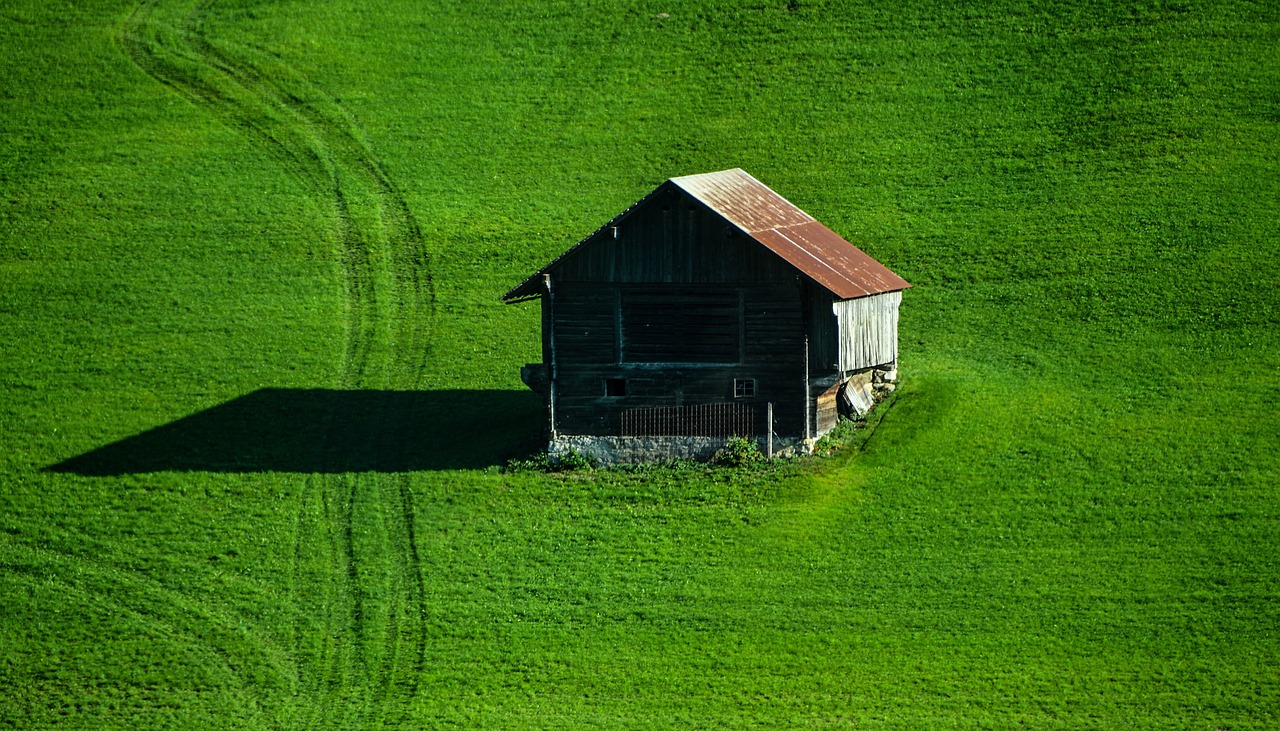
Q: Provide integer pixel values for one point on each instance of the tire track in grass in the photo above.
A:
(175, 617)
(358, 586)
(408, 259)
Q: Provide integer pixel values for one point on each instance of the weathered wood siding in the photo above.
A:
(827, 413)
(673, 304)
(766, 344)
(681, 324)
(824, 341)
(673, 238)
(585, 325)
(868, 329)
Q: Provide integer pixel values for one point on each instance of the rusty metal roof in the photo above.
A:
(745, 201)
(778, 225)
(791, 233)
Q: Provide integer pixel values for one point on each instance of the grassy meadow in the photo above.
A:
(257, 389)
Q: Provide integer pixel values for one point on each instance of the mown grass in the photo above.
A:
(1067, 519)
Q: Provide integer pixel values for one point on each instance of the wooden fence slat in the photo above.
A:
(695, 420)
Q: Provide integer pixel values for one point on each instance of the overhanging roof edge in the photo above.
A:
(523, 291)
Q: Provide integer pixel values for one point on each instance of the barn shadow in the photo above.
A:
(330, 431)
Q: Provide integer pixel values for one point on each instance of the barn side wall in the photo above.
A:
(590, 347)
(672, 251)
(868, 330)
(823, 328)
(714, 307)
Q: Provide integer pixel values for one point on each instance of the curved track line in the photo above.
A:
(159, 608)
(370, 596)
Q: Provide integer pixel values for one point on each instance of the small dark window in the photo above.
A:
(615, 387)
(744, 388)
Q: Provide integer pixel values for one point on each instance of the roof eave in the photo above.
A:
(796, 237)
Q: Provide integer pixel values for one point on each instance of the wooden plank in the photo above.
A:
(673, 239)
(828, 413)
(681, 325)
(868, 330)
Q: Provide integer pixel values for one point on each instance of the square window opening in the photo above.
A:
(615, 387)
(744, 388)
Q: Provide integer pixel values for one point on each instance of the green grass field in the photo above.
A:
(256, 387)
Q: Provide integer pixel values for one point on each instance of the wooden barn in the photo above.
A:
(711, 308)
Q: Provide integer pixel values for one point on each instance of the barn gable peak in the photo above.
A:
(772, 221)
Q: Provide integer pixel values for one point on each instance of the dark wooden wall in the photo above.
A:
(672, 238)
(824, 331)
(589, 348)
(685, 271)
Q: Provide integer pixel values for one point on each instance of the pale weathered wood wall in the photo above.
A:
(868, 330)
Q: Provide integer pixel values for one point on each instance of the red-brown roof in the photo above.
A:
(784, 229)
(791, 233)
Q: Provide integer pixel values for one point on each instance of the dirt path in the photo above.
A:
(358, 648)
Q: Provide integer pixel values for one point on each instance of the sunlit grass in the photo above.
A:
(1067, 519)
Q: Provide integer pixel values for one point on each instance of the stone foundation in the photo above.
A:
(617, 450)
(872, 385)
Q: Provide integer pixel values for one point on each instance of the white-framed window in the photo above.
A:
(744, 388)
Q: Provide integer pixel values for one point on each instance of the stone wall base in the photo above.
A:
(872, 386)
(618, 450)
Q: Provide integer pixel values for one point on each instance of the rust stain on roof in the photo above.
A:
(792, 234)
(778, 225)
(749, 204)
